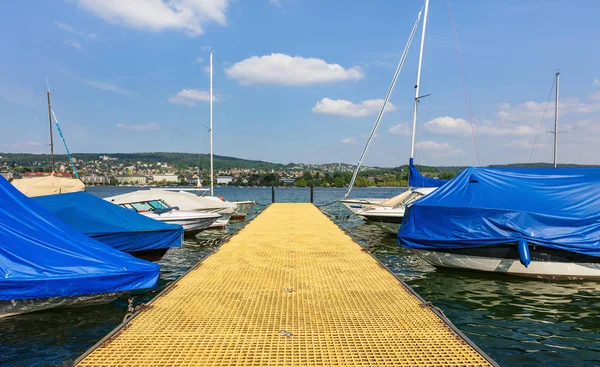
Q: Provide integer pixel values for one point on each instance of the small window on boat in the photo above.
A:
(158, 204)
(142, 207)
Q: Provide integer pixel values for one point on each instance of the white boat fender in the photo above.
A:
(524, 255)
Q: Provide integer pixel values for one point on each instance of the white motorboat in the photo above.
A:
(157, 209)
(388, 215)
(183, 201)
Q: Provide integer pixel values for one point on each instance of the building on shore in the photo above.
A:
(224, 180)
(135, 180)
(95, 180)
(168, 177)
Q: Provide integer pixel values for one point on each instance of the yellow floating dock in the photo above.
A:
(290, 289)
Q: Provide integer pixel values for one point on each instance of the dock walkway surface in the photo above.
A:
(290, 289)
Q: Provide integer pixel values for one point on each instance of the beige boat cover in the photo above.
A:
(396, 199)
(48, 185)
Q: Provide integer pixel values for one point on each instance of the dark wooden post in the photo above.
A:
(272, 193)
(311, 194)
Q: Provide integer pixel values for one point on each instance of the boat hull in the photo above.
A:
(359, 205)
(17, 307)
(388, 223)
(150, 255)
(190, 225)
(545, 263)
(243, 208)
(221, 222)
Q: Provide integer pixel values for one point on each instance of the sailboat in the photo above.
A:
(52, 183)
(241, 208)
(388, 213)
(537, 222)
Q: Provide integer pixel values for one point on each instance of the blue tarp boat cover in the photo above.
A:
(111, 224)
(556, 208)
(41, 257)
(416, 179)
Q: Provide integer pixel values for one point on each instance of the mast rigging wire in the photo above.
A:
(65, 143)
(542, 120)
(462, 78)
(387, 97)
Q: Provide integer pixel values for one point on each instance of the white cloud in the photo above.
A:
(276, 3)
(400, 129)
(439, 148)
(190, 97)
(198, 61)
(342, 107)
(533, 111)
(596, 82)
(140, 127)
(283, 69)
(106, 86)
(348, 141)
(447, 125)
(189, 16)
(76, 45)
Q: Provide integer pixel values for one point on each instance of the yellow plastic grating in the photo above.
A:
(290, 289)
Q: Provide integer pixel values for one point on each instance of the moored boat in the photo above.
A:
(113, 225)
(183, 201)
(45, 263)
(191, 221)
(531, 222)
(388, 215)
(415, 178)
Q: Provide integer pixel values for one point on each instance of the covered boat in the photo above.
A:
(531, 222)
(48, 185)
(115, 226)
(45, 263)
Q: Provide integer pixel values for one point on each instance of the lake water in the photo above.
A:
(518, 322)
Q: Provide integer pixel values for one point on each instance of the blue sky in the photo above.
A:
(300, 80)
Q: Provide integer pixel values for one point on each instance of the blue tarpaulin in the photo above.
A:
(111, 224)
(416, 179)
(41, 257)
(555, 208)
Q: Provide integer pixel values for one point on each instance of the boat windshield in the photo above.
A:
(142, 207)
(159, 204)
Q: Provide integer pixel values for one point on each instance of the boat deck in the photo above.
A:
(290, 289)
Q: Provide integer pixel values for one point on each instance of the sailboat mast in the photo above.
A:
(212, 191)
(50, 125)
(556, 120)
(416, 102)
